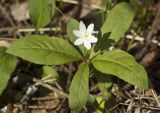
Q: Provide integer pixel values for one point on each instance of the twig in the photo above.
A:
(8, 39)
(113, 107)
(58, 86)
(31, 90)
(39, 82)
(4, 109)
(155, 96)
(146, 107)
(45, 98)
(147, 98)
(41, 29)
(21, 30)
(47, 77)
(92, 6)
(42, 107)
(141, 39)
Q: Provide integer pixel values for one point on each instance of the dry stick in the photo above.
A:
(155, 96)
(45, 98)
(154, 93)
(41, 29)
(146, 107)
(28, 29)
(130, 106)
(113, 107)
(58, 86)
(144, 98)
(86, 6)
(137, 98)
(39, 82)
(30, 91)
(25, 30)
(33, 88)
(60, 104)
(41, 107)
(8, 39)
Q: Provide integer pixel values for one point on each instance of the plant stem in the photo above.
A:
(131, 42)
(133, 39)
(36, 31)
(108, 5)
(102, 12)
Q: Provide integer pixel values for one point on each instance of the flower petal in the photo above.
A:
(87, 44)
(93, 39)
(90, 28)
(79, 41)
(78, 33)
(82, 27)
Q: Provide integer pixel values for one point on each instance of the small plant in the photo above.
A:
(92, 51)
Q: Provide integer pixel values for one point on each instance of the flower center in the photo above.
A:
(85, 35)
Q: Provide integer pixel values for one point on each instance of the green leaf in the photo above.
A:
(116, 24)
(7, 66)
(79, 89)
(74, 25)
(99, 105)
(104, 83)
(39, 11)
(122, 65)
(118, 21)
(49, 71)
(44, 50)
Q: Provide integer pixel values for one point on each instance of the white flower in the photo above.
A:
(85, 35)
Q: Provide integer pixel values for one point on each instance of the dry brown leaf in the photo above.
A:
(20, 12)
